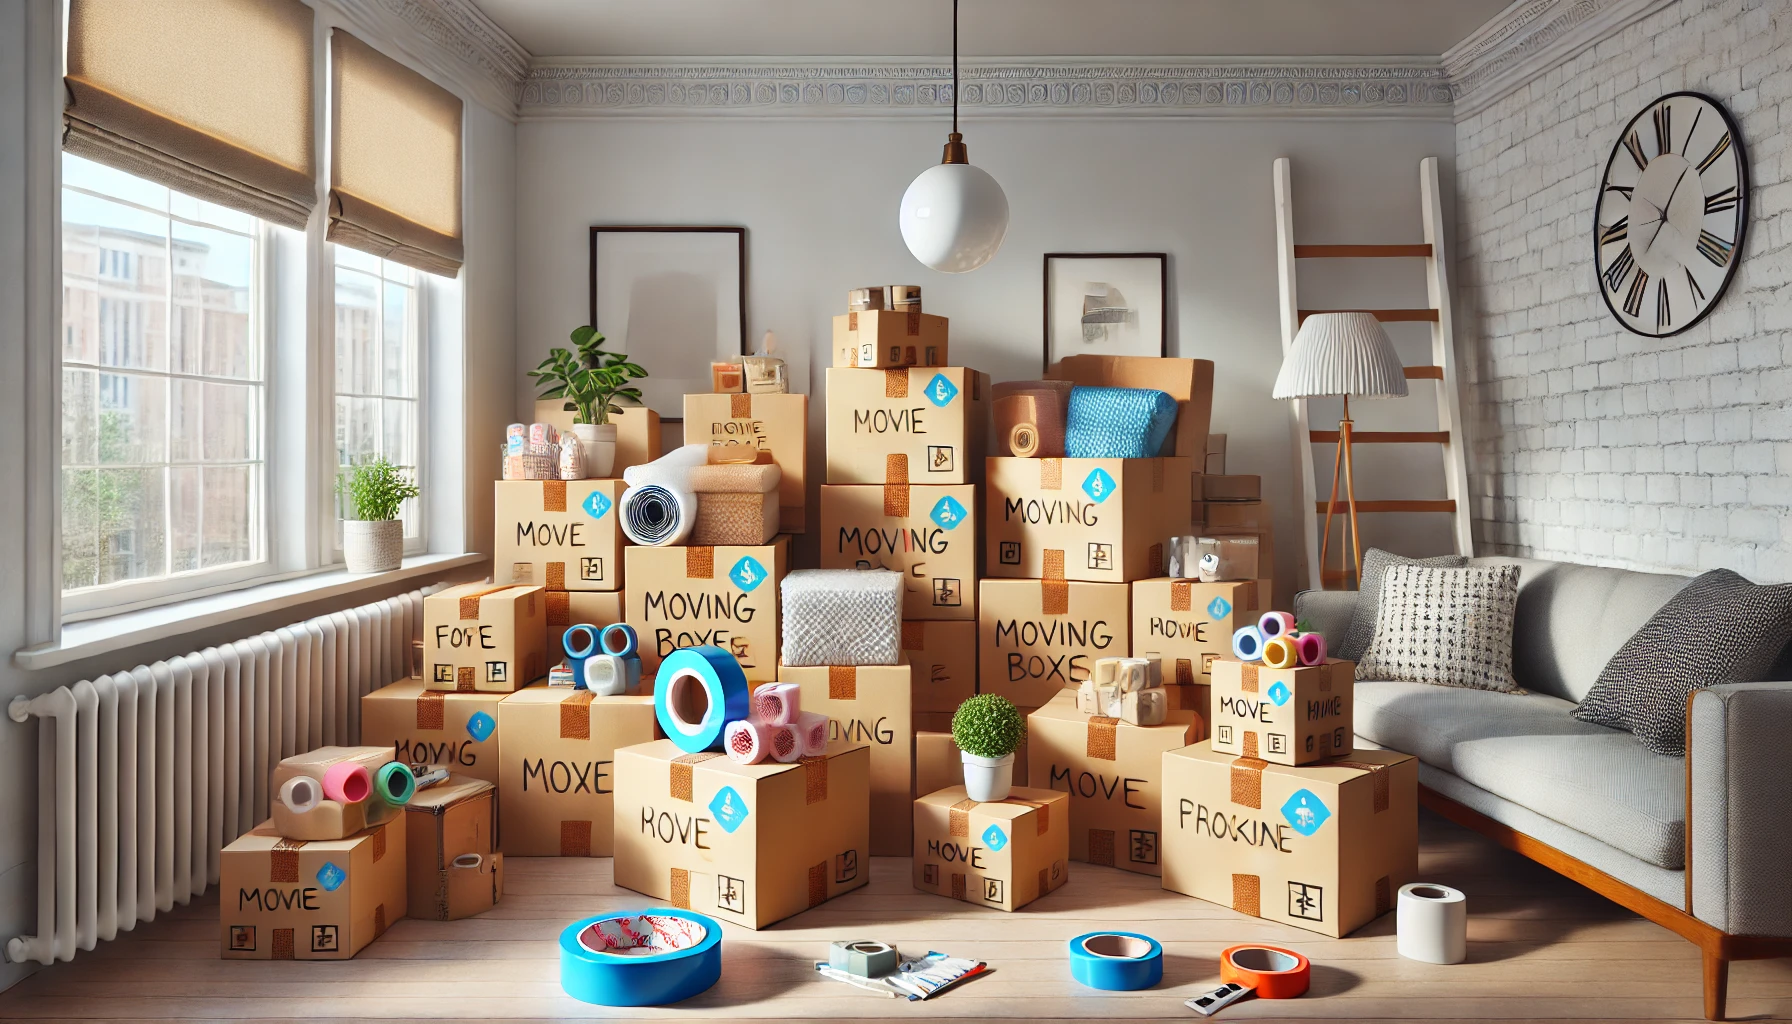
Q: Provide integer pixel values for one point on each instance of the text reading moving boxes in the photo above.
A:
(557, 790)
(1286, 716)
(1186, 625)
(479, 638)
(750, 843)
(558, 534)
(1096, 520)
(451, 832)
(419, 726)
(778, 424)
(696, 596)
(889, 338)
(926, 532)
(1003, 854)
(1324, 847)
(285, 899)
(1036, 637)
(598, 608)
(944, 656)
(870, 704)
(915, 426)
(1114, 775)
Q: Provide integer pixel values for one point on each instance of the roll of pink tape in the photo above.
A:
(1311, 647)
(746, 742)
(347, 783)
(1274, 624)
(812, 729)
(777, 703)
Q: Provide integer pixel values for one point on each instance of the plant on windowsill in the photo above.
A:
(591, 380)
(988, 730)
(373, 535)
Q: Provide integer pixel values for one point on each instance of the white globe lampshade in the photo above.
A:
(953, 217)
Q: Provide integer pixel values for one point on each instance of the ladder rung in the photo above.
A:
(1303, 252)
(1384, 315)
(1424, 373)
(1409, 505)
(1384, 436)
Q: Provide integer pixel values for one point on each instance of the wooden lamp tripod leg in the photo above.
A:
(1325, 538)
(1356, 542)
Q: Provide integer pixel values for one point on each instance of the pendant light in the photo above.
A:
(954, 215)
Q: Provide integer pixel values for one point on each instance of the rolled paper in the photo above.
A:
(1311, 648)
(606, 675)
(1247, 643)
(660, 507)
(746, 741)
(1280, 653)
(620, 639)
(1023, 440)
(777, 703)
(699, 690)
(1274, 624)
(812, 731)
(347, 783)
(1431, 923)
(301, 793)
(395, 783)
(785, 745)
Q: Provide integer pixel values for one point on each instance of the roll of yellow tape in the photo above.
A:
(1281, 653)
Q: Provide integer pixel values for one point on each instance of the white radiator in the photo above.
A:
(145, 775)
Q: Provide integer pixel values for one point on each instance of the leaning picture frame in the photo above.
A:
(1106, 303)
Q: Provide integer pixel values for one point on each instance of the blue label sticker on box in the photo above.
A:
(481, 726)
(747, 574)
(596, 504)
(940, 390)
(1219, 607)
(995, 838)
(728, 807)
(1279, 693)
(1305, 812)
(947, 512)
(1098, 485)
(331, 877)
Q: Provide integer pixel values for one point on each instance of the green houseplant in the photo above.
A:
(372, 534)
(988, 730)
(591, 381)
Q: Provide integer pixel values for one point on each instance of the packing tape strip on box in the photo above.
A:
(724, 697)
(648, 958)
(1116, 961)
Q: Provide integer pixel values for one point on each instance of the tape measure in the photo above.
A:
(1116, 961)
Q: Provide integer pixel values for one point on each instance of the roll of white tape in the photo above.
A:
(659, 508)
(1432, 922)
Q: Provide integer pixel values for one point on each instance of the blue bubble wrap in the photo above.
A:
(1118, 423)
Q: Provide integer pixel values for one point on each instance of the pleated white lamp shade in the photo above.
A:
(1341, 354)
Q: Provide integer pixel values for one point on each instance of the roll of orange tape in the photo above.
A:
(1273, 972)
(1280, 653)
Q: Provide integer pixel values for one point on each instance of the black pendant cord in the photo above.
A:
(955, 65)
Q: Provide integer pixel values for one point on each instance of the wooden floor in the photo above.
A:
(1540, 947)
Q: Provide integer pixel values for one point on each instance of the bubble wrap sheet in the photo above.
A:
(1118, 423)
(842, 617)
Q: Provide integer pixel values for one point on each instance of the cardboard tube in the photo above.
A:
(1274, 624)
(1280, 653)
(1247, 643)
(301, 794)
(347, 783)
(1311, 647)
(395, 783)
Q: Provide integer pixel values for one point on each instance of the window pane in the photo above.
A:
(357, 429)
(346, 257)
(398, 272)
(83, 173)
(397, 443)
(128, 504)
(229, 532)
(80, 415)
(80, 528)
(230, 418)
(183, 518)
(114, 261)
(186, 414)
(211, 289)
(400, 373)
(357, 351)
(133, 418)
(208, 213)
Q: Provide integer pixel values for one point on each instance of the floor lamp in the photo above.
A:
(1341, 354)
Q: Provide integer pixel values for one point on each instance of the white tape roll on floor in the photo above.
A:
(1432, 923)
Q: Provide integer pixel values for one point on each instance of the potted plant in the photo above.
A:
(988, 730)
(591, 380)
(373, 535)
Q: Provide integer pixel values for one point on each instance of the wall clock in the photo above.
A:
(1671, 214)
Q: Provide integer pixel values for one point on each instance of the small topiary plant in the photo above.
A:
(375, 489)
(988, 726)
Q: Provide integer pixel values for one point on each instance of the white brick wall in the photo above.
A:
(1591, 443)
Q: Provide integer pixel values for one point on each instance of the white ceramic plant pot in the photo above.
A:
(372, 545)
(987, 778)
(599, 442)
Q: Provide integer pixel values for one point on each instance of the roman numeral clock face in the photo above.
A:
(1671, 214)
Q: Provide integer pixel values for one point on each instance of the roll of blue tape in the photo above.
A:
(1247, 643)
(698, 691)
(630, 642)
(1118, 423)
(643, 958)
(1116, 961)
(579, 642)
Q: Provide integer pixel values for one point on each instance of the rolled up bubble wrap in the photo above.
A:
(842, 617)
(1118, 423)
(660, 506)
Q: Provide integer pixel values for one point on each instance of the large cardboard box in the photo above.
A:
(1285, 716)
(567, 609)
(747, 843)
(692, 596)
(1098, 520)
(938, 763)
(637, 431)
(888, 338)
(451, 834)
(281, 899)
(944, 655)
(480, 638)
(1114, 775)
(870, 704)
(1185, 625)
(922, 425)
(557, 787)
(1003, 855)
(927, 532)
(557, 534)
(1324, 847)
(1188, 381)
(419, 726)
(1036, 637)
(778, 424)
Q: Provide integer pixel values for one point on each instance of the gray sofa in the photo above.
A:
(1592, 802)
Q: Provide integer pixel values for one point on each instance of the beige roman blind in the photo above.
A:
(210, 98)
(394, 160)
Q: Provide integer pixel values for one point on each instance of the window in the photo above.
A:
(379, 339)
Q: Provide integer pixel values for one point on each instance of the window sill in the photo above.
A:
(117, 632)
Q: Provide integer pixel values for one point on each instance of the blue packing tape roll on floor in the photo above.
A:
(683, 957)
(695, 722)
(1116, 961)
(1117, 423)
(631, 642)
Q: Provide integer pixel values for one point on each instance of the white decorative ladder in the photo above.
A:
(1442, 370)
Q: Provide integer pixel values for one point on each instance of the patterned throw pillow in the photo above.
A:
(1368, 597)
(1450, 627)
(1720, 628)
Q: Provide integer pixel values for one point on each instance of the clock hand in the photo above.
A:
(1676, 188)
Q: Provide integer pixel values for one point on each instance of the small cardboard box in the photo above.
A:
(1114, 775)
(451, 833)
(419, 726)
(1003, 855)
(637, 431)
(1290, 716)
(693, 596)
(880, 338)
(1236, 516)
(567, 609)
(1217, 487)
(329, 820)
(927, 532)
(870, 704)
(480, 638)
(1324, 847)
(557, 787)
(1188, 381)
(557, 534)
(1036, 637)
(748, 843)
(1186, 624)
(938, 763)
(944, 655)
(282, 899)
(915, 426)
(778, 424)
(1097, 520)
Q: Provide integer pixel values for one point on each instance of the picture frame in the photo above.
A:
(1128, 316)
(674, 297)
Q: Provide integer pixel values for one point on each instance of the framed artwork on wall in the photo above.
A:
(675, 299)
(1106, 303)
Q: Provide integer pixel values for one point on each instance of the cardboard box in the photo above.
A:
(1036, 637)
(927, 532)
(451, 834)
(916, 426)
(933, 721)
(328, 820)
(886, 338)
(870, 704)
(1113, 773)
(1218, 487)
(1290, 716)
(286, 900)
(1186, 625)
(1216, 455)
(1324, 847)
(557, 534)
(419, 726)
(747, 843)
(557, 787)
(1003, 855)
(1238, 515)
(567, 609)
(726, 596)
(944, 655)
(778, 424)
(1096, 520)
(938, 764)
(1188, 381)
(637, 431)
(480, 638)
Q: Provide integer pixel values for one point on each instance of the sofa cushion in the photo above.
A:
(1355, 639)
(1527, 748)
(1448, 627)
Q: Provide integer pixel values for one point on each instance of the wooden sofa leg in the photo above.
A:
(1717, 983)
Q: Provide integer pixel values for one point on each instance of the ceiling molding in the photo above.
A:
(452, 41)
(1529, 38)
